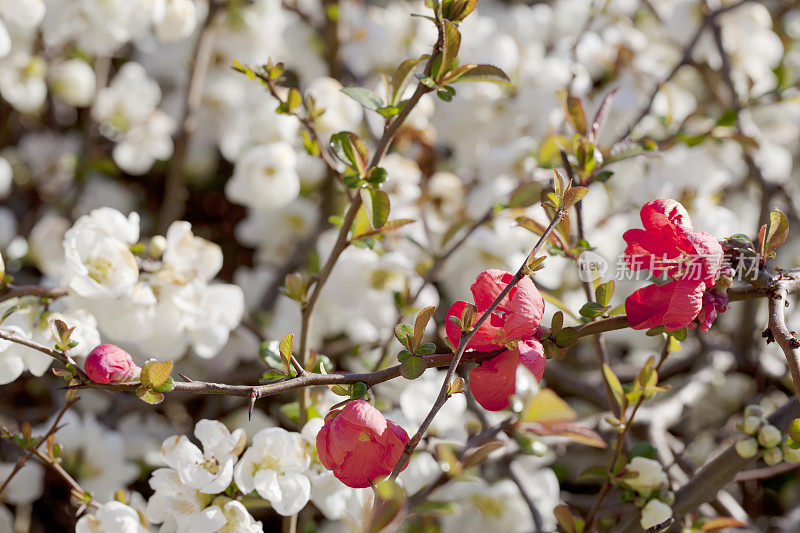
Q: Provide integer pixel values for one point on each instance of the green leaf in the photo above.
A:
(413, 367)
(365, 97)
(593, 309)
(566, 337)
(574, 195)
(573, 110)
(604, 292)
(377, 176)
(158, 373)
(525, 195)
(547, 407)
(149, 396)
(358, 390)
(679, 334)
(615, 386)
(426, 349)
(272, 375)
(376, 204)
(400, 78)
(285, 349)
(404, 334)
(452, 43)
(560, 183)
(293, 100)
(565, 519)
(778, 230)
(603, 176)
(485, 73)
(420, 323)
(643, 449)
(11, 310)
(593, 472)
(167, 386)
(557, 323)
(402, 355)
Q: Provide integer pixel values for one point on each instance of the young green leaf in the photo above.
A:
(421, 322)
(158, 373)
(573, 110)
(400, 77)
(615, 386)
(365, 97)
(484, 73)
(285, 349)
(452, 43)
(376, 204)
(604, 292)
(778, 230)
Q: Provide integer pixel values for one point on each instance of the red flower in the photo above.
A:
(668, 244)
(515, 318)
(110, 364)
(494, 381)
(512, 325)
(359, 445)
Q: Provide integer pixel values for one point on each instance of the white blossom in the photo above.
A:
(111, 517)
(209, 470)
(275, 466)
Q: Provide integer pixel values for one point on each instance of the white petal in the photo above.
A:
(295, 493)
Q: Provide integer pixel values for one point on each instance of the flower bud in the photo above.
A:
(668, 498)
(359, 445)
(769, 436)
(752, 424)
(747, 448)
(753, 410)
(773, 456)
(110, 364)
(73, 82)
(790, 455)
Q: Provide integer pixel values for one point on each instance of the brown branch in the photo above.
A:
(786, 339)
(18, 291)
(22, 460)
(462, 345)
(175, 193)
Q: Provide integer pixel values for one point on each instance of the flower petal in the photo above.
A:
(495, 380)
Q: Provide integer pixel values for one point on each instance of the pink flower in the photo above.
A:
(669, 245)
(359, 445)
(110, 364)
(515, 318)
(494, 381)
(513, 325)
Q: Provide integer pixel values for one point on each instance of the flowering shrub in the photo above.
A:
(377, 266)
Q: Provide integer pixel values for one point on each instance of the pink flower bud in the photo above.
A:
(359, 445)
(110, 364)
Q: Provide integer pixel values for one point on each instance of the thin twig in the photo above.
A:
(462, 345)
(53, 428)
(175, 194)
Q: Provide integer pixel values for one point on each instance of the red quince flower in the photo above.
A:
(512, 325)
(495, 380)
(110, 364)
(359, 445)
(669, 245)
